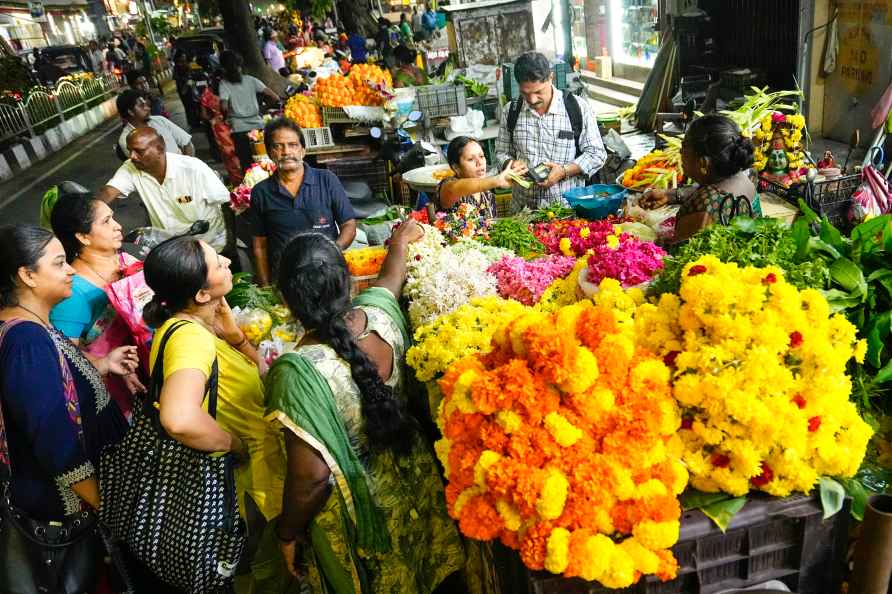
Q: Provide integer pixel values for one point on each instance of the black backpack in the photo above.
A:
(574, 112)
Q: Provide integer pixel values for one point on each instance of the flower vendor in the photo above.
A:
(471, 184)
(719, 158)
(364, 506)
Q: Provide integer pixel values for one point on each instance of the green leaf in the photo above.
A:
(810, 215)
(801, 233)
(694, 499)
(855, 489)
(883, 278)
(878, 328)
(864, 236)
(833, 496)
(819, 245)
(884, 374)
(722, 512)
(831, 235)
(841, 300)
(848, 275)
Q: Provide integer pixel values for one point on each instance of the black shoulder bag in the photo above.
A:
(175, 507)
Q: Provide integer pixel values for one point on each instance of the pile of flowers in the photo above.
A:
(465, 331)
(572, 237)
(466, 221)
(526, 280)
(240, 197)
(441, 279)
(365, 261)
(561, 442)
(790, 128)
(759, 369)
(626, 259)
(562, 291)
(271, 329)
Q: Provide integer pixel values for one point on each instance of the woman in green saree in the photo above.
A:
(363, 509)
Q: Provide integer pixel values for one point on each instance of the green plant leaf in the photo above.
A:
(800, 232)
(883, 278)
(884, 374)
(695, 499)
(855, 489)
(810, 215)
(841, 300)
(877, 330)
(831, 235)
(819, 245)
(832, 496)
(864, 236)
(848, 275)
(722, 512)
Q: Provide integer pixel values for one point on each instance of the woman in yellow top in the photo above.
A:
(190, 281)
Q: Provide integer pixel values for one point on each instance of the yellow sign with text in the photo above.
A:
(858, 59)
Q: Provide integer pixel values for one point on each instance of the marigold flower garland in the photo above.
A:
(759, 369)
(365, 261)
(561, 442)
(526, 280)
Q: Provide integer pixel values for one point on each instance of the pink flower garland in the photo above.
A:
(526, 280)
(631, 262)
(583, 235)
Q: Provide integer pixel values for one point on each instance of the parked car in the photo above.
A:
(58, 61)
(204, 47)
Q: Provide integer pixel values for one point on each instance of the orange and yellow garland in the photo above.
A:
(562, 442)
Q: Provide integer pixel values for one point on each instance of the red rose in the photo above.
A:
(770, 279)
(418, 257)
(798, 400)
(764, 478)
(795, 339)
(670, 357)
(720, 460)
(695, 270)
(814, 424)
(687, 423)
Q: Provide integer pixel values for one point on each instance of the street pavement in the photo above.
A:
(90, 161)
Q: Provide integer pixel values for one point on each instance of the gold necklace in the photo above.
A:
(96, 272)
(42, 321)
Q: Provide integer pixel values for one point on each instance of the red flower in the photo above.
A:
(695, 270)
(670, 357)
(798, 400)
(720, 460)
(795, 339)
(814, 424)
(764, 478)
(770, 279)
(687, 422)
(418, 257)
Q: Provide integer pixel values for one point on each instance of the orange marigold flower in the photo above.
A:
(533, 543)
(480, 520)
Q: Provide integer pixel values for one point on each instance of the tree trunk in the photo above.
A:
(357, 13)
(239, 25)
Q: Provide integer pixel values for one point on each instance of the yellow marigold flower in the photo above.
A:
(509, 514)
(566, 247)
(487, 459)
(624, 486)
(650, 488)
(645, 560)
(563, 431)
(612, 242)
(595, 557)
(860, 350)
(509, 420)
(648, 374)
(550, 504)
(603, 521)
(442, 447)
(621, 571)
(557, 550)
(680, 477)
(584, 372)
(463, 498)
(585, 232)
(656, 535)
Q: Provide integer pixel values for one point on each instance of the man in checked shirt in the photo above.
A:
(539, 128)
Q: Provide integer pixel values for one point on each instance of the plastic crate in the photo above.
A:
(503, 204)
(336, 115)
(831, 198)
(440, 101)
(740, 79)
(769, 539)
(315, 138)
(372, 171)
(511, 89)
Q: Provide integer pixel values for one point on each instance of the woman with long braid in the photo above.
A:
(363, 509)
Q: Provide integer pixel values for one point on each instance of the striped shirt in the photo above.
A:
(549, 138)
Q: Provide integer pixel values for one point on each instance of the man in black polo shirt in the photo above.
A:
(296, 198)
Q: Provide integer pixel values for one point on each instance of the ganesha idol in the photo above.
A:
(778, 167)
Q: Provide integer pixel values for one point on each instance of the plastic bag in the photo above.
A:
(660, 220)
(128, 297)
(872, 198)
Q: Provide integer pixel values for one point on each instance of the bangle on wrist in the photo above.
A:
(241, 343)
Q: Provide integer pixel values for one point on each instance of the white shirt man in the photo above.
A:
(177, 190)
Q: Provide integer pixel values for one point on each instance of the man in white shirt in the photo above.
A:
(177, 190)
(97, 56)
(135, 107)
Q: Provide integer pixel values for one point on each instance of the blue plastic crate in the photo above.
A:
(596, 202)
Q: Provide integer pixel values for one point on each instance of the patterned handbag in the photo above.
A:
(175, 507)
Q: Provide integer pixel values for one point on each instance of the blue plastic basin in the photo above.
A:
(596, 202)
